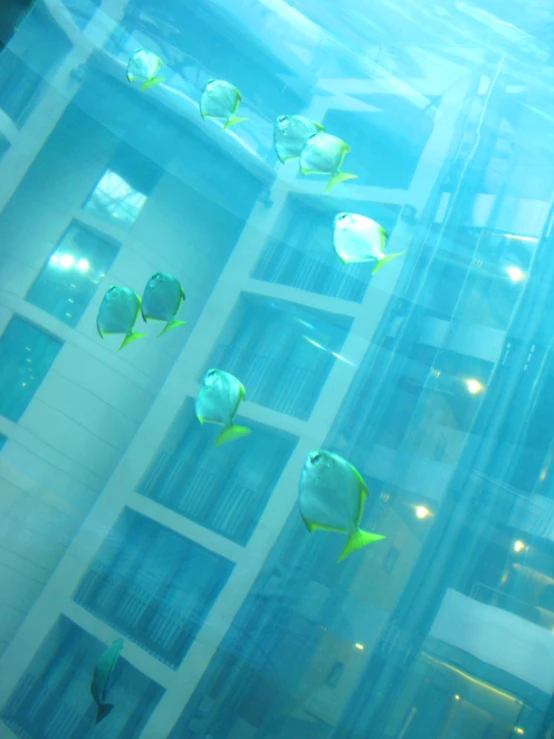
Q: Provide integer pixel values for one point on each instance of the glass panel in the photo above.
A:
(35, 51)
(114, 199)
(26, 355)
(3, 440)
(75, 268)
(216, 487)
(122, 191)
(153, 585)
(53, 699)
(304, 257)
(282, 353)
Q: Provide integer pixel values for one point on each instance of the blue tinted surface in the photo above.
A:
(153, 585)
(433, 377)
(26, 355)
(53, 699)
(73, 272)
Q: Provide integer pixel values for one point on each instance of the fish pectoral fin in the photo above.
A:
(312, 526)
(357, 540)
(103, 710)
(231, 433)
(233, 120)
(384, 260)
(339, 177)
(152, 83)
(131, 337)
(170, 325)
(307, 171)
(319, 127)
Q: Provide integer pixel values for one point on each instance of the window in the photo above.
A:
(70, 277)
(35, 51)
(153, 585)
(304, 257)
(53, 697)
(282, 353)
(113, 198)
(122, 191)
(26, 355)
(218, 488)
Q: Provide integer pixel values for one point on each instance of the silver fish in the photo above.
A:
(218, 401)
(102, 672)
(290, 135)
(332, 496)
(162, 299)
(144, 66)
(220, 99)
(324, 154)
(118, 313)
(357, 238)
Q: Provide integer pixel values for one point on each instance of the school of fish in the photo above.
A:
(332, 493)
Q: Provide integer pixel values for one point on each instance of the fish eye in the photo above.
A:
(314, 457)
(212, 373)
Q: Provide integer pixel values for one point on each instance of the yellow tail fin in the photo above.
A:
(385, 259)
(169, 326)
(233, 121)
(357, 540)
(231, 433)
(152, 83)
(132, 337)
(339, 177)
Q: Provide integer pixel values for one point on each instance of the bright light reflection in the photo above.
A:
(515, 237)
(518, 546)
(457, 697)
(359, 646)
(67, 261)
(474, 386)
(82, 265)
(515, 274)
(422, 512)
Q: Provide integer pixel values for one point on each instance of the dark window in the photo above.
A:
(26, 355)
(220, 489)
(153, 585)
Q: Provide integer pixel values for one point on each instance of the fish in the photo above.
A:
(290, 134)
(218, 401)
(144, 66)
(357, 238)
(332, 495)
(101, 674)
(324, 154)
(118, 313)
(162, 299)
(220, 99)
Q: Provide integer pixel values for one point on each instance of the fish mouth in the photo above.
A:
(342, 220)
(282, 119)
(314, 457)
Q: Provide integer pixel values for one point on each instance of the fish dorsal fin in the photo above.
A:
(242, 392)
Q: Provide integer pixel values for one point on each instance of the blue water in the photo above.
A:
(432, 377)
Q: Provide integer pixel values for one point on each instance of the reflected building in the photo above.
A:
(432, 377)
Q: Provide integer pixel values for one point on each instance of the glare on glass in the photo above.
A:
(72, 273)
(26, 355)
(115, 200)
